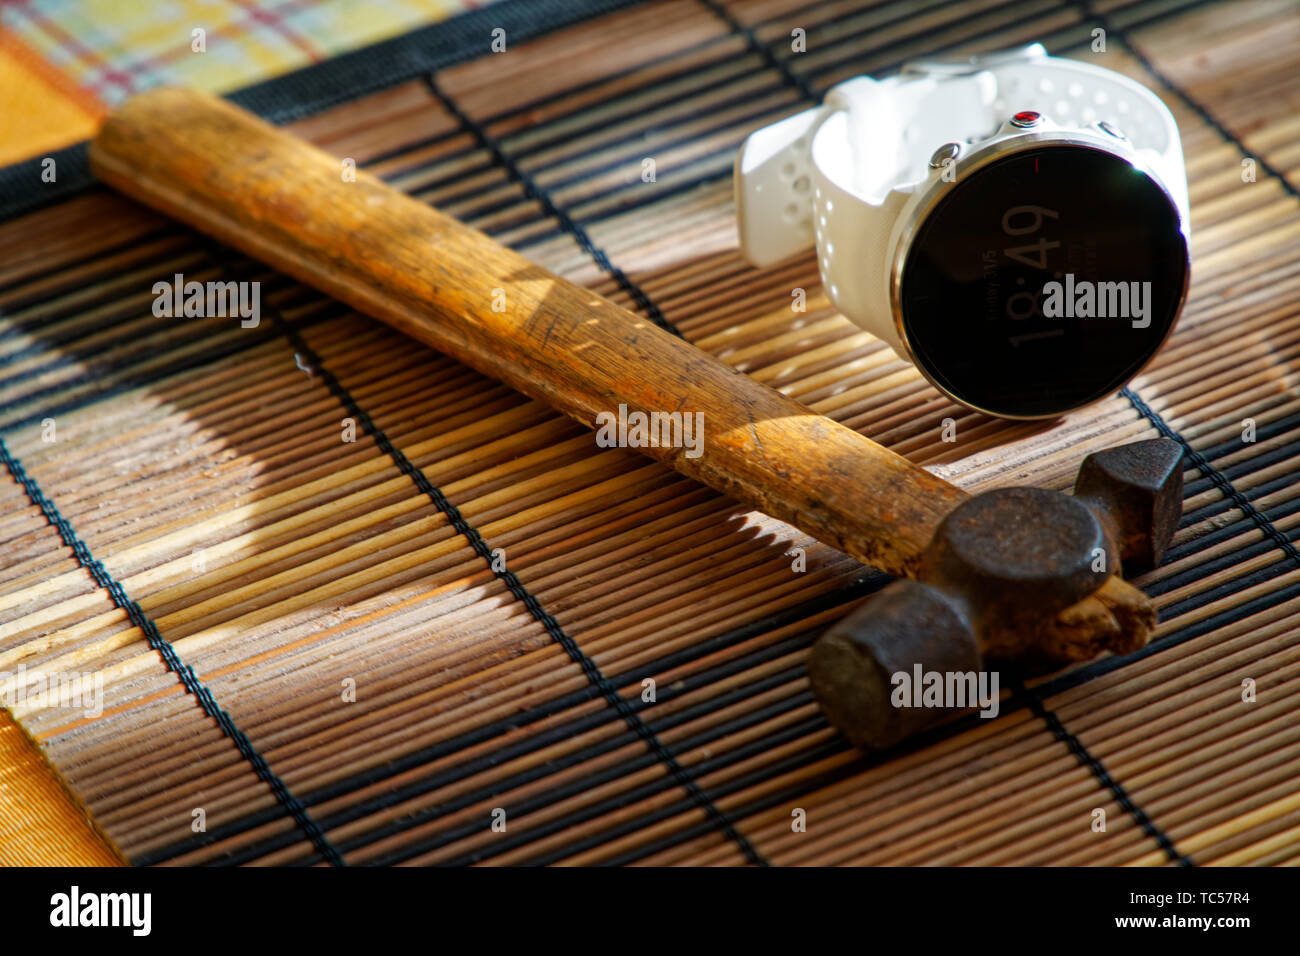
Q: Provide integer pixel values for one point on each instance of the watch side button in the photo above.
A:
(944, 155)
(1111, 130)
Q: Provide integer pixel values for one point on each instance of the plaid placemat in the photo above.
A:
(64, 62)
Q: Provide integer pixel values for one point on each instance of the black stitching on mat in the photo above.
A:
(1055, 39)
(607, 689)
(1099, 771)
(788, 75)
(512, 169)
(1233, 615)
(546, 857)
(792, 79)
(1048, 689)
(171, 659)
(1191, 103)
(343, 78)
(512, 582)
(555, 706)
(794, 793)
(558, 792)
(1216, 477)
(210, 354)
(1219, 481)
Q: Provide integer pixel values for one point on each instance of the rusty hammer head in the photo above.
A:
(1002, 578)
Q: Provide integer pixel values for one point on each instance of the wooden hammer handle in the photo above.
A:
(278, 199)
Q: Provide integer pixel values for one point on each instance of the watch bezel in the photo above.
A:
(920, 208)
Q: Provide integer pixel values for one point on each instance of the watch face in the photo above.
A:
(1043, 281)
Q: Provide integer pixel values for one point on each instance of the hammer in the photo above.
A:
(1018, 574)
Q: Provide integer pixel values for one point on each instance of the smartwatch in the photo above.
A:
(1013, 225)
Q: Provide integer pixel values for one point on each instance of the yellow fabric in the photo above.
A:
(41, 823)
(40, 111)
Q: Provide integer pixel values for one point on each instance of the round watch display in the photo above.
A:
(1043, 281)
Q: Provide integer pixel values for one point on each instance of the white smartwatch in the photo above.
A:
(1014, 225)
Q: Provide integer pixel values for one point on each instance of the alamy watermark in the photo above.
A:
(626, 429)
(1098, 300)
(211, 299)
(72, 690)
(74, 908)
(948, 689)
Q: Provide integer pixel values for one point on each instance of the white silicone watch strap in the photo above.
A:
(840, 175)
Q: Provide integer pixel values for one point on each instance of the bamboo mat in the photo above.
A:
(303, 644)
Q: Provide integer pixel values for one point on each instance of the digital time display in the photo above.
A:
(1043, 281)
